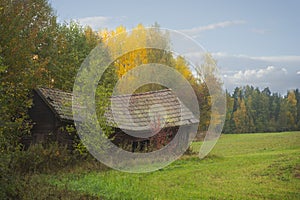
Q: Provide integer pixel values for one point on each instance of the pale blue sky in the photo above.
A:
(255, 42)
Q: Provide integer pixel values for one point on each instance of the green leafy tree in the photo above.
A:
(291, 110)
(297, 93)
(72, 45)
(241, 118)
(248, 95)
(36, 51)
(26, 35)
(229, 123)
(282, 119)
(274, 112)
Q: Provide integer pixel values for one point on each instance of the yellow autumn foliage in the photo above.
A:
(131, 46)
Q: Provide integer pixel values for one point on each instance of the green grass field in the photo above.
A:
(241, 166)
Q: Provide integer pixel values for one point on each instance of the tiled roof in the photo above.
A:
(60, 102)
(148, 106)
(143, 107)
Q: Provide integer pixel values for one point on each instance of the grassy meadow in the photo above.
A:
(241, 166)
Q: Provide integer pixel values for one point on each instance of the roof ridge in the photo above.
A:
(142, 93)
(116, 96)
(54, 89)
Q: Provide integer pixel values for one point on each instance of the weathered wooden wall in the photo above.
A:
(43, 118)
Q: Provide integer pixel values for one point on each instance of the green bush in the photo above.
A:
(20, 171)
(39, 159)
(16, 165)
(7, 178)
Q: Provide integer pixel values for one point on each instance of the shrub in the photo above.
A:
(39, 159)
(20, 170)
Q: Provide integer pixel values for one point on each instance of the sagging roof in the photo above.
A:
(142, 108)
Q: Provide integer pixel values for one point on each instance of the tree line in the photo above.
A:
(252, 110)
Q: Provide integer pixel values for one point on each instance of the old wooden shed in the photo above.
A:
(51, 113)
(157, 114)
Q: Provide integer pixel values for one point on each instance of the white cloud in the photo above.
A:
(93, 22)
(220, 54)
(270, 76)
(256, 74)
(98, 22)
(280, 58)
(196, 30)
(241, 70)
